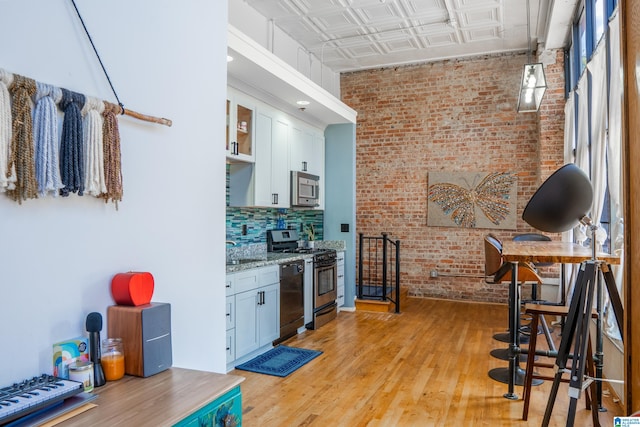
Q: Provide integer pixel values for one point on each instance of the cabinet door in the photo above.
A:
(231, 345)
(262, 169)
(301, 149)
(247, 338)
(240, 127)
(230, 312)
(269, 314)
(280, 163)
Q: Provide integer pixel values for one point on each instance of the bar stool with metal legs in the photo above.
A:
(497, 271)
(537, 313)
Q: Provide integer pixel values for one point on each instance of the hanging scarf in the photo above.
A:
(112, 166)
(7, 176)
(21, 155)
(92, 122)
(71, 153)
(45, 130)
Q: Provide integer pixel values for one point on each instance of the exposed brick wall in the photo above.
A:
(446, 116)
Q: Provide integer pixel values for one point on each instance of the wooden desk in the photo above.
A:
(544, 251)
(558, 252)
(164, 399)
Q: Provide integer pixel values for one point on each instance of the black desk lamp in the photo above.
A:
(561, 202)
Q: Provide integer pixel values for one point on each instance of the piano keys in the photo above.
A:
(38, 393)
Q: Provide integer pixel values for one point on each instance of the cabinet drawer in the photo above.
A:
(228, 285)
(269, 275)
(227, 409)
(231, 345)
(230, 314)
(245, 280)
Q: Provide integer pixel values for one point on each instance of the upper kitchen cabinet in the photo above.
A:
(240, 143)
(306, 151)
(264, 183)
(272, 159)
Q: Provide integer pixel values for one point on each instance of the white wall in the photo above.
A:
(57, 256)
(256, 26)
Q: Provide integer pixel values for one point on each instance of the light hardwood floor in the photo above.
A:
(426, 366)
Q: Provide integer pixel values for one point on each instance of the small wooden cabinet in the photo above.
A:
(175, 397)
(224, 411)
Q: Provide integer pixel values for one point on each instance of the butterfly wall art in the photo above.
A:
(472, 199)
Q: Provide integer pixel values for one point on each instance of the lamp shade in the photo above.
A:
(561, 201)
(532, 88)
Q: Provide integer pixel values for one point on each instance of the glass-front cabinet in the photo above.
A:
(240, 127)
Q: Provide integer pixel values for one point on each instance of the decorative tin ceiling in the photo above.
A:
(350, 35)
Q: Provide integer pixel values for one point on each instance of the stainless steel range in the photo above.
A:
(325, 292)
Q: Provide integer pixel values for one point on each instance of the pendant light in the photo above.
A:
(533, 82)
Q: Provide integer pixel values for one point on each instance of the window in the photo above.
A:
(599, 20)
(581, 31)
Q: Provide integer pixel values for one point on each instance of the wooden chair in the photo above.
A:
(498, 271)
(537, 313)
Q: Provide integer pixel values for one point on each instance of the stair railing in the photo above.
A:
(379, 269)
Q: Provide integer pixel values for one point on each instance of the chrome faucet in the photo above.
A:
(230, 242)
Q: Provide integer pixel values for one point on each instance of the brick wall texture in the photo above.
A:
(457, 115)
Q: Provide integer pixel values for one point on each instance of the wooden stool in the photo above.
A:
(537, 311)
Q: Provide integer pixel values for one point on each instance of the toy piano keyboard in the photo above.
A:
(37, 394)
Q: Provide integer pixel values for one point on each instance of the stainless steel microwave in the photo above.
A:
(305, 189)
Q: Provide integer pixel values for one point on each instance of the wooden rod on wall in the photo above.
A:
(146, 118)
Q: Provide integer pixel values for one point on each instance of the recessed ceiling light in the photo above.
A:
(302, 102)
(229, 58)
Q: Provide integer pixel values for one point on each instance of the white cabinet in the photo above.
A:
(230, 316)
(253, 311)
(340, 278)
(308, 291)
(264, 183)
(240, 127)
(271, 173)
(306, 148)
(257, 321)
(261, 156)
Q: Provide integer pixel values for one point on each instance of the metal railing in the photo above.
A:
(379, 269)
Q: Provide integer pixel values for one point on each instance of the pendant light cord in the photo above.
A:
(528, 33)
(100, 59)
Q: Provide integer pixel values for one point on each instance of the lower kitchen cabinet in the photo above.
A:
(257, 318)
(231, 328)
(340, 278)
(253, 313)
(224, 411)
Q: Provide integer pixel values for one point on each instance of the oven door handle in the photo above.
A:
(326, 310)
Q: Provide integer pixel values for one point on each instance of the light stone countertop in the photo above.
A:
(264, 258)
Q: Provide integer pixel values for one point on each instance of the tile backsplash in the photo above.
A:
(249, 225)
(258, 220)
